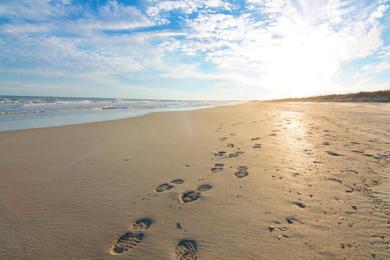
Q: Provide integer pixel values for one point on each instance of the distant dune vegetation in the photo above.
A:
(376, 96)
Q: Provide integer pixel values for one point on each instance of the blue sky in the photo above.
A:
(194, 49)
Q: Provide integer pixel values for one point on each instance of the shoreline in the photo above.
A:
(127, 117)
(202, 108)
(296, 182)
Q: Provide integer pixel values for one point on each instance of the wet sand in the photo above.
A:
(251, 181)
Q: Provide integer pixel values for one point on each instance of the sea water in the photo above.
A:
(24, 112)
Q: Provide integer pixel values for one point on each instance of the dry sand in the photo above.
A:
(304, 189)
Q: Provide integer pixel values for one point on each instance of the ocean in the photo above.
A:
(25, 112)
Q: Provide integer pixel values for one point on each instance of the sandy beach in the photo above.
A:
(259, 180)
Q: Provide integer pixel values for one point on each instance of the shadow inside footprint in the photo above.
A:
(164, 187)
(219, 154)
(241, 174)
(242, 171)
(189, 196)
(299, 204)
(236, 154)
(186, 250)
(126, 242)
(292, 220)
(333, 153)
(205, 187)
(242, 168)
(218, 167)
(141, 224)
(177, 181)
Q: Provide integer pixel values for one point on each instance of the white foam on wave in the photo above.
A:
(35, 112)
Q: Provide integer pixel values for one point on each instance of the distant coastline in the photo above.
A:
(375, 96)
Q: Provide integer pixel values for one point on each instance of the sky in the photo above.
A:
(193, 49)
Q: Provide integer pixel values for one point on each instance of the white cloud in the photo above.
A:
(117, 16)
(22, 28)
(40, 16)
(370, 71)
(76, 46)
(158, 10)
(380, 67)
(32, 9)
(301, 46)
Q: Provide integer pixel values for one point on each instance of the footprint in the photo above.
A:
(164, 187)
(219, 154)
(218, 167)
(299, 204)
(236, 154)
(242, 168)
(382, 156)
(142, 224)
(205, 187)
(334, 179)
(230, 145)
(131, 239)
(189, 196)
(308, 151)
(126, 242)
(349, 189)
(242, 171)
(255, 146)
(292, 220)
(333, 153)
(186, 250)
(177, 181)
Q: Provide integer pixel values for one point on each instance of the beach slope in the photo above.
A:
(260, 180)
